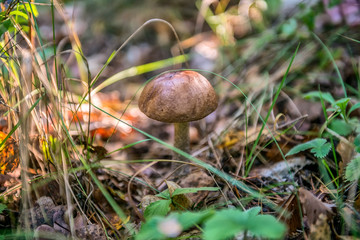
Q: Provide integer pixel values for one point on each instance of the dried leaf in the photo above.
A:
(117, 222)
(293, 220)
(243, 137)
(9, 154)
(79, 221)
(357, 203)
(197, 179)
(280, 170)
(181, 201)
(312, 206)
(346, 151)
(320, 230)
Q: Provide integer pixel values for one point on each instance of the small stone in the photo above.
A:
(41, 213)
(44, 232)
(91, 232)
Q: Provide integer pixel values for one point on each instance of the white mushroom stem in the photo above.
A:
(182, 139)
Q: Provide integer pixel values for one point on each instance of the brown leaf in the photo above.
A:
(320, 230)
(357, 203)
(312, 206)
(346, 151)
(115, 220)
(196, 179)
(293, 220)
(280, 170)
(79, 221)
(243, 137)
(181, 201)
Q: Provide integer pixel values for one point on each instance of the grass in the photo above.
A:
(43, 91)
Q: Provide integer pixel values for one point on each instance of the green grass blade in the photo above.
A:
(250, 163)
(333, 62)
(141, 69)
(19, 123)
(128, 146)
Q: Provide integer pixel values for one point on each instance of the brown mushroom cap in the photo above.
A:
(182, 96)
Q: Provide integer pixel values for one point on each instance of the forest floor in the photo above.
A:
(277, 159)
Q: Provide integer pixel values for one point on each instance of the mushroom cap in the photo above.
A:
(182, 96)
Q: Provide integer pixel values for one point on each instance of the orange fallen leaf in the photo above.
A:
(9, 154)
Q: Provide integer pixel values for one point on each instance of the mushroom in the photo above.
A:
(178, 97)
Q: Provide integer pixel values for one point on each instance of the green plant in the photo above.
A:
(16, 13)
(357, 143)
(230, 222)
(216, 225)
(172, 197)
(2, 207)
(352, 170)
(160, 227)
(318, 146)
(344, 125)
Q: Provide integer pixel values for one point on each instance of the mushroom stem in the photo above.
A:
(182, 138)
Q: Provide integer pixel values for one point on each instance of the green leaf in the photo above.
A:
(321, 151)
(164, 194)
(342, 102)
(333, 3)
(31, 9)
(2, 207)
(149, 230)
(341, 127)
(5, 26)
(266, 226)
(225, 224)
(317, 95)
(288, 28)
(309, 19)
(318, 146)
(179, 191)
(189, 219)
(3, 16)
(273, 6)
(357, 143)
(160, 227)
(230, 222)
(158, 208)
(352, 172)
(19, 13)
(354, 107)
(252, 212)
